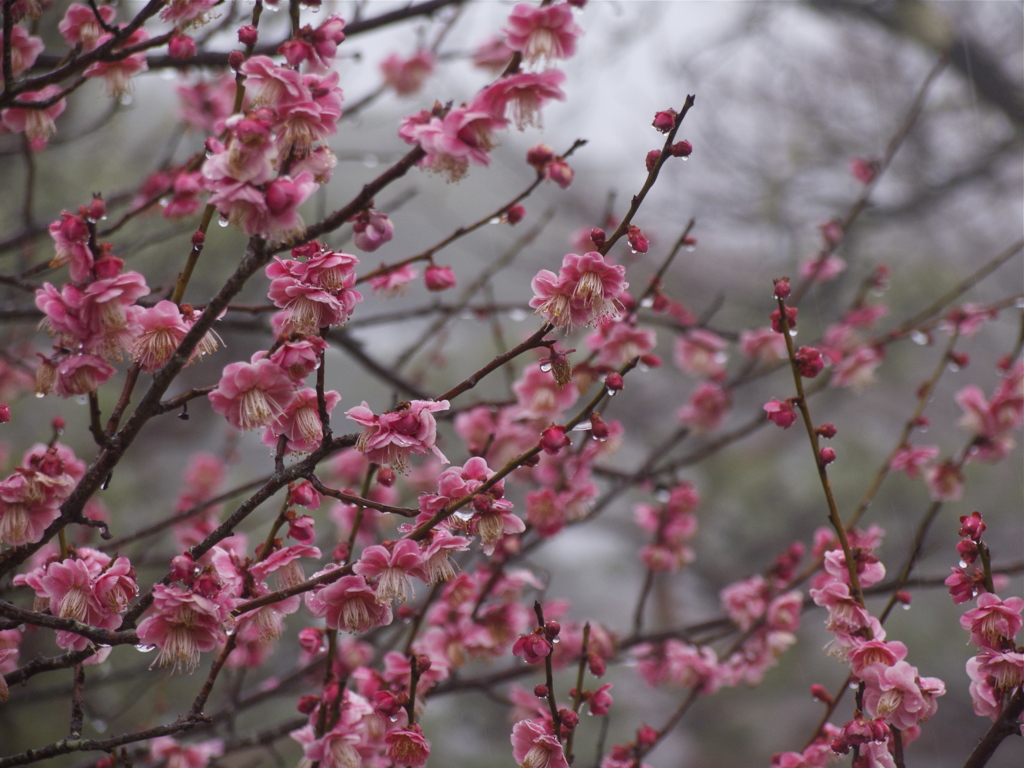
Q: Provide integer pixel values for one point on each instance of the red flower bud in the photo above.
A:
(540, 691)
(236, 59)
(613, 382)
(820, 693)
(439, 278)
(665, 120)
(181, 47)
(652, 159)
(515, 214)
(637, 239)
(681, 149)
(827, 430)
(248, 35)
(553, 439)
(539, 156)
(598, 237)
(827, 456)
(782, 288)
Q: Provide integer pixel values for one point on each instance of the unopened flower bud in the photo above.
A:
(551, 629)
(827, 430)
(439, 278)
(308, 703)
(665, 120)
(827, 456)
(559, 172)
(613, 382)
(5, 413)
(652, 159)
(598, 427)
(903, 597)
(515, 214)
(598, 237)
(97, 209)
(386, 476)
(181, 47)
(569, 718)
(968, 551)
(236, 59)
(681, 149)
(820, 693)
(553, 439)
(972, 526)
(776, 318)
(809, 362)
(248, 35)
(782, 288)
(540, 691)
(959, 359)
(539, 156)
(597, 665)
(198, 238)
(58, 425)
(637, 239)
(646, 736)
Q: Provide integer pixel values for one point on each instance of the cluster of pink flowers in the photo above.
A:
(30, 498)
(893, 691)
(586, 290)
(389, 438)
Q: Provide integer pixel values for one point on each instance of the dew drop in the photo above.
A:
(954, 367)
(165, 201)
(792, 332)
(905, 606)
(963, 564)
(684, 159)
(611, 392)
(647, 302)
(545, 367)
(463, 514)
(1019, 304)
(40, 395)
(125, 99)
(145, 648)
(168, 74)
(583, 426)
(222, 222)
(919, 337)
(689, 248)
(99, 725)
(662, 495)
(634, 251)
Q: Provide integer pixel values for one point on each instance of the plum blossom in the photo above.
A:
(406, 76)
(316, 293)
(534, 746)
(899, 695)
(25, 49)
(300, 422)
(118, 72)
(701, 353)
(37, 123)
(80, 24)
(585, 291)
(349, 604)
(707, 407)
(521, 97)
(462, 137)
(994, 623)
(544, 33)
(391, 568)
(371, 229)
(183, 623)
(167, 750)
(389, 438)
(912, 459)
(252, 395)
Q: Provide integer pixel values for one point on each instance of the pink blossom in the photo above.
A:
(182, 624)
(897, 694)
(701, 353)
(964, 586)
(781, 413)
(994, 623)
(746, 601)
(533, 647)
(81, 374)
(707, 407)
(822, 268)
(392, 282)
(521, 97)
(391, 569)
(539, 397)
(493, 55)
(118, 72)
(316, 293)
(161, 329)
(945, 482)
(183, 13)
(196, 755)
(869, 568)
(349, 604)
(585, 291)
(299, 357)
(680, 664)
(986, 697)
(407, 75)
(534, 746)
(912, 459)
(317, 46)
(300, 422)
(206, 105)
(618, 343)
(881, 652)
(863, 170)
(271, 84)
(388, 439)
(371, 229)
(25, 49)
(80, 24)
(544, 33)
(436, 565)
(252, 395)
(561, 173)
(37, 123)
(763, 344)
(408, 747)
(451, 143)
(858, 370)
